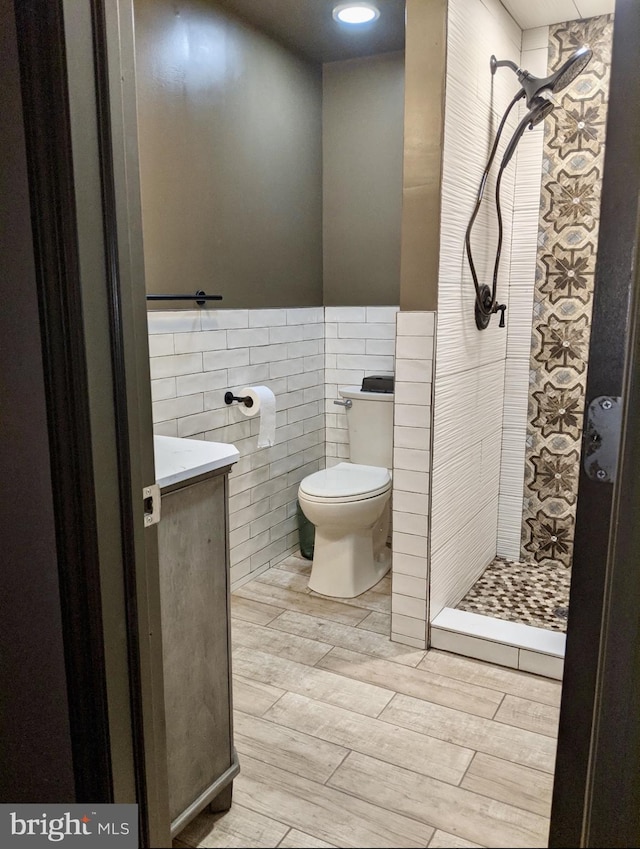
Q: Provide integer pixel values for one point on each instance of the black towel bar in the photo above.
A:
(200, 298)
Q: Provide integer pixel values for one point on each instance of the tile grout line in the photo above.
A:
(357, 751)
(284, 837)
(328, 779)
(440, 781)
(507, 669)
(419, 698)
(516, 763)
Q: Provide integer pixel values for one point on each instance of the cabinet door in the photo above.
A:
(194, 587)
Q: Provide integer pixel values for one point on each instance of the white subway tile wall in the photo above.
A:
(195, 358)
(415, 348)
(521, 289)
(359, 341)
(470, 365)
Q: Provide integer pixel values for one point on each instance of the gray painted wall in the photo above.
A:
(362, 129)
(230, 159)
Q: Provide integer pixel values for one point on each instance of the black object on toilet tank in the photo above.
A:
(378, 383)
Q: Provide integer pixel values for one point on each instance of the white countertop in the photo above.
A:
(180, 459)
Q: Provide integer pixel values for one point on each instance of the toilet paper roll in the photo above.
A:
(264, 403)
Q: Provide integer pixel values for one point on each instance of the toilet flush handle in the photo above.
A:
(346, 403)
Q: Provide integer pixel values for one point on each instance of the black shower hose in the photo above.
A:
(467, 238)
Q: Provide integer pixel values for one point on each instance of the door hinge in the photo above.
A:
(151, 504)
(602, 438)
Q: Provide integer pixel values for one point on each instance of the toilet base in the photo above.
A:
(344, 565)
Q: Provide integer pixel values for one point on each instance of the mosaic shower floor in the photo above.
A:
(531, 593)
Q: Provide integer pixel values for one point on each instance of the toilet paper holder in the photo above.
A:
(229, 398)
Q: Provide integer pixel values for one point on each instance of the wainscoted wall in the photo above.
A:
(195, 357)
(567, 246)
(470, 365)
(411, 468)
(359, 341)
(524, 247)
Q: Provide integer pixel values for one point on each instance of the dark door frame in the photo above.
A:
(78, 97)
(596, 799)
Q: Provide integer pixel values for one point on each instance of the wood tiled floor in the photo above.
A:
(347, 739)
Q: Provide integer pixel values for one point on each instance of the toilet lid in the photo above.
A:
(346, 481)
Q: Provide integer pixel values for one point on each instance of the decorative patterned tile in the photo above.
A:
(532, 593)
(567, 246)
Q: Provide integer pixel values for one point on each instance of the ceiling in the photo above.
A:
(307, 27)
(539, 13)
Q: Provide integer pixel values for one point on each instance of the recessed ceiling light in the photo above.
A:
(356, 13)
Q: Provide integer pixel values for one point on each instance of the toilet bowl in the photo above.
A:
(350, 507)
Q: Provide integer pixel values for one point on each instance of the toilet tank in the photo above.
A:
(370, 423)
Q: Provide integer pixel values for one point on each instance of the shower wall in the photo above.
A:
(470, 365)
(528, 167)
(546, 380)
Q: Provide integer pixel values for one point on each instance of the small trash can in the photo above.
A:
(306, 533)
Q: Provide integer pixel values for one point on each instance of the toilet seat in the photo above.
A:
(346, 482)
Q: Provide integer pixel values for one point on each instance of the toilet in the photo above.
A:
(349, 504)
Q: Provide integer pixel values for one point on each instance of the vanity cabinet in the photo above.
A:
(194, 586)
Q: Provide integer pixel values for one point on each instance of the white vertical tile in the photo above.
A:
(408, 641)
(408, 626)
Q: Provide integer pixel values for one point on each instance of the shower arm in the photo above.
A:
(504, 63)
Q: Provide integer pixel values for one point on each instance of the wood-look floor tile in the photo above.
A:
(296, 564)
(370, 600)
(380, 623)
(253, 611)
(252, 696)
(298, 581)
(286, 748)
(451, 809)
(495, 677)
(383, 585)
(302, 602)
(289, 645)
(325, 812)
(369, 736)
(449, 692)
(297, 840)
(335, 634)
(442, 840)
(238, 827)
(517, 785)
(533, 716)
(309, 681)
(474, 732)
